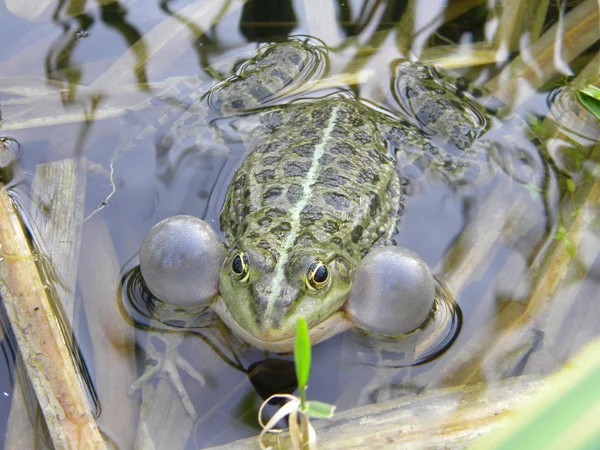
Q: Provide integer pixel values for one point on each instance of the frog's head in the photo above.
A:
(264, 291)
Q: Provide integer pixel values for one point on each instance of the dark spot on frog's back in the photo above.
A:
(317, 113)
(272, 193)
(477, 93)
(356, 233)
(357, 122)
(281, 230)
(275, 212)
(264, 176)
(341, 149)
(258, 91)
(331, 226)
(269, 247)
(272, 120)
(239, 182)
(238, 104)
(326, 160)
(309, 215)
(362, 137)
(374, 205)
(246, 210)
(270, 160)
(305, 239)
(296, 169)
(338, 241)
(367, 176)
(284, 77)
(304, 151)
(430, 113)
(339, 131)
(265, 222)
(331, 177)
(244, 228)
(345, 164)
(294, 193)
(337, 201)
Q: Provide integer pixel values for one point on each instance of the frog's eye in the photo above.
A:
(317, 275)
(239, 266)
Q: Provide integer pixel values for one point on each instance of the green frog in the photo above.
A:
(314, 207)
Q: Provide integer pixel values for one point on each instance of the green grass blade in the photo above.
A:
(564, 414)
(589, 97)
(302, 353)
(591, 91)
(319, 410)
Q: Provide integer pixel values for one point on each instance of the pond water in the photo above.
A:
(511, 236)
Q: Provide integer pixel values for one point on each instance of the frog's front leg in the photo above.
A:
(392, 293)
(180, 260)
(163, 360)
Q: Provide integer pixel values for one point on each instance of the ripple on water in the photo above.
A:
(311, 70)
(572, 117)
(425, 344)
(9, 151)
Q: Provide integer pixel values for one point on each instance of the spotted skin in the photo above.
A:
(321, 185)
(295, 200)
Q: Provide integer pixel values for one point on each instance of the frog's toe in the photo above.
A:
(180, 261)
(392, 292)
(166, 363)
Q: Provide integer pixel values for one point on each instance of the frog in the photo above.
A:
(319, 197)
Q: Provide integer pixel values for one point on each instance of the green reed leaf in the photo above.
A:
(319, 410)
(589, 97)
(302, 353)
(564, 414)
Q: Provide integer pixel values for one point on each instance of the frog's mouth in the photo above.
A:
(334, 324)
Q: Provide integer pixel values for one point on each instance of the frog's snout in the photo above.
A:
(273, 307)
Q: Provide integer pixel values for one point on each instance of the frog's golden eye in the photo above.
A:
(317, 275)
(239, 266)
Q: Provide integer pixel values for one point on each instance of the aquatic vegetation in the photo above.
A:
(516, 251)
(299, 410)
(589, 97)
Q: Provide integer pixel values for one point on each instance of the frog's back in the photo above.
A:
(317, 192)
(325, 180)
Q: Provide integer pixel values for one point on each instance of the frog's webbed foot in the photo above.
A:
(440, 127)
(142, 122)
(392, 293)
(274, 71)
(163, 360)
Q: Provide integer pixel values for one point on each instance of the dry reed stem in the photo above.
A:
(38, 335)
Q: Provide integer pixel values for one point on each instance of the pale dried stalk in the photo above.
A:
(165, 43)
(516, 18)
(58, 196)
(58, 200)
(532, 69)
(555, 266)
(457, 56)
(40, 341)
(476, 246)
(111, 333)
(489, 349)
(322, 22)
(444, 418)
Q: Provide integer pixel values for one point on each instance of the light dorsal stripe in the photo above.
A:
(307, 183)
